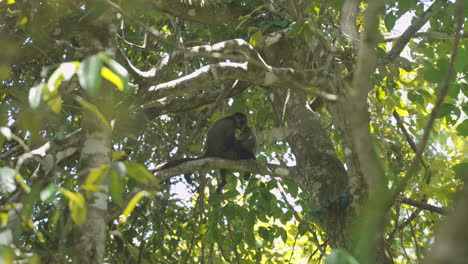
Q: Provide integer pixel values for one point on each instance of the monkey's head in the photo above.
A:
(240, 120)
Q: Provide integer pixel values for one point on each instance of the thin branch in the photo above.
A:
(422, 205)
(407, 136)
(432, 35)
(411, 31)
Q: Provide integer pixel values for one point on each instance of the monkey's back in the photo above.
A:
(220, 137)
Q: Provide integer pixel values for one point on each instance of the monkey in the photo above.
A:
(221, 142)
(244, 148)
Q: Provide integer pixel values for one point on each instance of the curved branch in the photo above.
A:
(281, 77)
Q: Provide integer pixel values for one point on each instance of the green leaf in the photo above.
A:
(7, 180)
(35, 95)
(461, 171)
(139, 173)
(131, 205)
(76, 204)
(89, 74)
(445, 110)
(416, 98)
(389, 21)
(282, 232)
(238, 236)
(48, 194)
(293, 188)
(116, 187)
(92, 108)
(432, 74)
(264, 233)
(462, 129)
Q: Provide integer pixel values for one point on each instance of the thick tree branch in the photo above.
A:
(349, 14)
(371, 227)
(252, 166)
(411, 31)
(362, 84)
(282, 77)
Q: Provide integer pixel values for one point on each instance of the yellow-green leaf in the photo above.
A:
(55, 80)
(21, 182)
(55, 103)
(139, 173)
(92, 108)
(77, 206)
(121, 72)
(256, 38)
(381, 93)
(116, 187)
(112, 77)
(98, 175)
(131, 205)
(401, 112)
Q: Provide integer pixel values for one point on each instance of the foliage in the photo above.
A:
(256, 220)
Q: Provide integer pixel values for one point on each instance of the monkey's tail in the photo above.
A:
(172, 163)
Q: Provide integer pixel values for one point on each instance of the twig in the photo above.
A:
(407, 136)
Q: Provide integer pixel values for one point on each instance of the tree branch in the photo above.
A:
(422, 205)
(252, 166)
(411, 31)
(348, 20)
(432, 35)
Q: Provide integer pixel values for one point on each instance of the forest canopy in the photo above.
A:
(353, 147)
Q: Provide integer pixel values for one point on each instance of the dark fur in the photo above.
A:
(221, 142)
